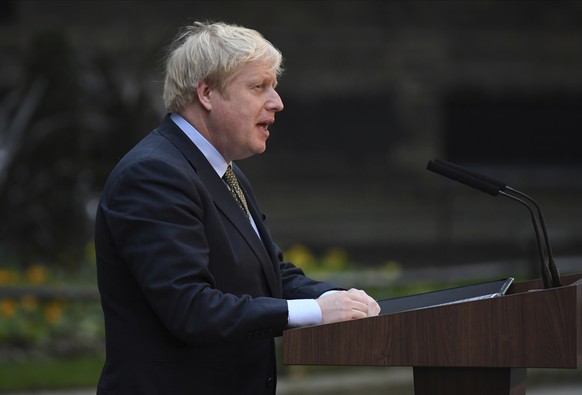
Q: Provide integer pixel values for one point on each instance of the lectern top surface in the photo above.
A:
(466, 293)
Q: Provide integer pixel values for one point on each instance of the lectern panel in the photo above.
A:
(538, 329)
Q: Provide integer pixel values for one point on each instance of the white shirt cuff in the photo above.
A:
(303, 312)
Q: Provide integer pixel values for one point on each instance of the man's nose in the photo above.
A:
(275, 103)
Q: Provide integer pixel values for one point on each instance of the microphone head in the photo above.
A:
(501, 185)
(455, 174)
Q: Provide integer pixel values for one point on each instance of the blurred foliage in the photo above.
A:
(333, 259)
(58, 327)
(34, 323)
(63, 126)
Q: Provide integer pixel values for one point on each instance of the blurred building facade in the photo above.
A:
(373, 90)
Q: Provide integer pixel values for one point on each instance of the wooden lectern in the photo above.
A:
(481, 347)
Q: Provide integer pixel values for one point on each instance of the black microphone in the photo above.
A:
(550, 274)
(451, 172)
(503, 188)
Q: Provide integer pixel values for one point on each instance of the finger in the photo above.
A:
(373, 308)
(360, 306)
(356, 314)
(359, 295)
(358, 310)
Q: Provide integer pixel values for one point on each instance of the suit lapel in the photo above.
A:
(225, 202)
(265, 236)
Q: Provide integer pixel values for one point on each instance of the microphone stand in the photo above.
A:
(549, 271)
(555, 274)
(546, 275)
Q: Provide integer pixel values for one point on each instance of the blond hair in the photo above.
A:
(212, 53)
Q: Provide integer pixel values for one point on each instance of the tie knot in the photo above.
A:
(230, 177)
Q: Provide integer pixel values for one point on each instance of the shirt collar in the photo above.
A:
(218, 163)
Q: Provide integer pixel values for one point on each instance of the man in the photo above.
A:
(193, 288)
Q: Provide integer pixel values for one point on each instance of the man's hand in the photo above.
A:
(347, 305)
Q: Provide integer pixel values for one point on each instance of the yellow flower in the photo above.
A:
(53, 312)
(8, 276)
(301, 257)
(36, 274)
(392, 270)
(7, 308)
(335, 259)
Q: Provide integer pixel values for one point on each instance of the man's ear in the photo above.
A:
(203, 91)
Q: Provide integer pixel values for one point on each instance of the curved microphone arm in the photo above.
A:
(550, 273)
(546, 276)
(552, 265)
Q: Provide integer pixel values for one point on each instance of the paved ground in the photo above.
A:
(567, 390)
(376, 382)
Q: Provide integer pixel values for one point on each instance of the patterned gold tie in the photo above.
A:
(234, 187)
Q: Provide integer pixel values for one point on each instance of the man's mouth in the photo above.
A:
(265, 125)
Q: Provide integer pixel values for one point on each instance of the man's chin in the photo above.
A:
(255, 151)
(260, 149)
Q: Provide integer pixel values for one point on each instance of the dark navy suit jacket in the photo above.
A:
(192, 297)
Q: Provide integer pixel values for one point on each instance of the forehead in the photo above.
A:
(256, 70)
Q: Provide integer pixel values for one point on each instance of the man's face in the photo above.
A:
(239, 118)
